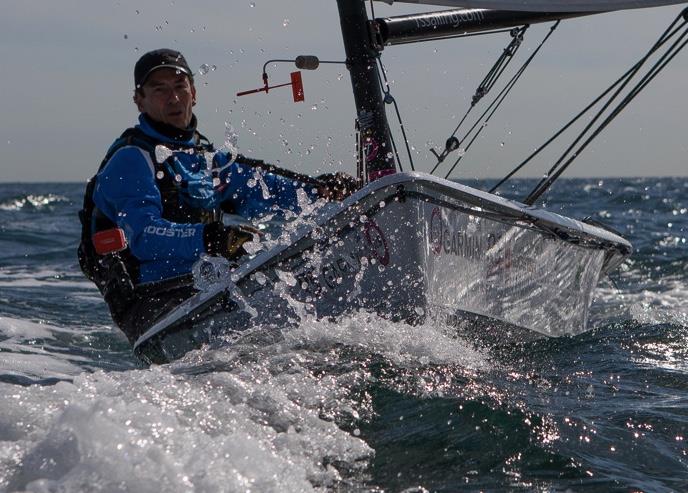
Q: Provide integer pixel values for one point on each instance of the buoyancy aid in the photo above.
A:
(103, 254)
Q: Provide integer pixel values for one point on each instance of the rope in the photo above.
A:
(496, 103)
(563, 163)
(499, 66)
(483, 88)
(389, 99)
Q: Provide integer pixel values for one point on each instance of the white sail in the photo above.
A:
(547, 5)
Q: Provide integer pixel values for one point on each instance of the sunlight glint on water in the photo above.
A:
(360, 404)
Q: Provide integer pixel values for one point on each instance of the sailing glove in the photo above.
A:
(226, 241)
(337, 186)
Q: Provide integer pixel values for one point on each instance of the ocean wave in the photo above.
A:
(27, 279)
(31, 202)
(265, 423)
(360, 404)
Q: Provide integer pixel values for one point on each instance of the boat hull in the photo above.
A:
(408, 247)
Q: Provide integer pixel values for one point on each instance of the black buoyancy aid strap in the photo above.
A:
(89, 205)
(93, 220)
(168, 187)
(130, 137)
(86, 250)
(136, 136)
(88, 258)
(171, 191)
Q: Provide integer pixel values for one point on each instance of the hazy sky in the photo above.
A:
(67, 83)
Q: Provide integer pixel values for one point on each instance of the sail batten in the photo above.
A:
(547, 5)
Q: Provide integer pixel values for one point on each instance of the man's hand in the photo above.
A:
(227, 241)
(337, 186)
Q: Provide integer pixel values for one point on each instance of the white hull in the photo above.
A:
(409, 246)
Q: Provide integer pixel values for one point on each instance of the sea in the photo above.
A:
(360, 404)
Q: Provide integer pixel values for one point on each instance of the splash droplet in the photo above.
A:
(162, 153)
(205, 68)
(231, 143)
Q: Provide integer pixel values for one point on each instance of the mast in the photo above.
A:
(361, 60)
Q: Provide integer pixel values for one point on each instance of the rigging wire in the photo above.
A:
(499, 99)
(389, 99)
(484, 87)
(488, 82)
(560, 166)
(571, 122)
(501, 64)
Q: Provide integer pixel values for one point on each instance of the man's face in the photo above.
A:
(168, 96)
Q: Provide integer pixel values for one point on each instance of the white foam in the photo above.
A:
(665, 304)
(24, 330)
(245, 418)
(26, 351)
(36, 365)
(22, 278)
(401, 343)
(249, 427)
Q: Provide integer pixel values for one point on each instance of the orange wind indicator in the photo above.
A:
(303, 62)
(296, 86)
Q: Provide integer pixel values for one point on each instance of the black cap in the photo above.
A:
(156, 59)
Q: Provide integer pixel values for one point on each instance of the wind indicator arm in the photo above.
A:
(296, 84)
(303, 62)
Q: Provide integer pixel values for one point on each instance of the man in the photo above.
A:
(155, 206)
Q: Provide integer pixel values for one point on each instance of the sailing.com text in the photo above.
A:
(453, 19)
